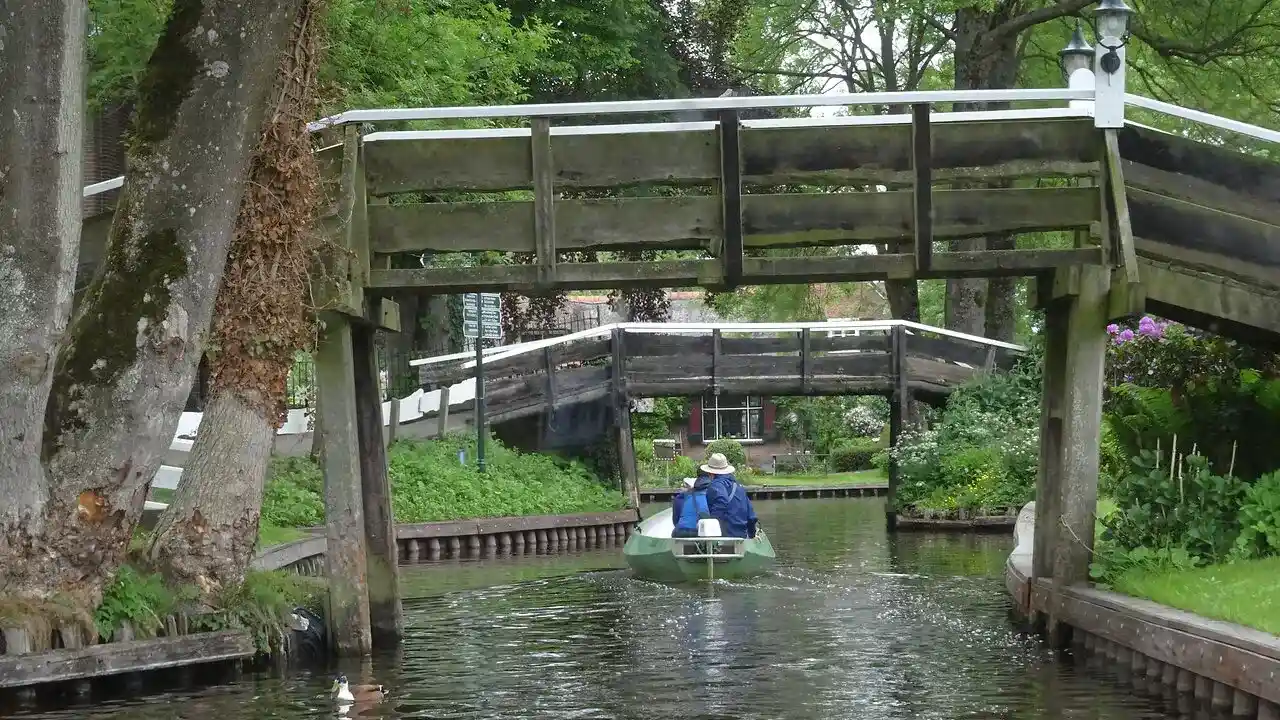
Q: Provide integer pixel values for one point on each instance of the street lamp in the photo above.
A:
(1077, 55)
(1111, 22)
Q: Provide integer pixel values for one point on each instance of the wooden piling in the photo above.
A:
(385, 613)
(622, 421)
(899, 405)
(349, 625)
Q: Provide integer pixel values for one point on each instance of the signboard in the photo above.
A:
(487, 322)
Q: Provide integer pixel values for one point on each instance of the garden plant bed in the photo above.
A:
(999, 519)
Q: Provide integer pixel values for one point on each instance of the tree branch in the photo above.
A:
(1016, 25)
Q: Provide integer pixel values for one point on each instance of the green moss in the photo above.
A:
(131, 287)
(169, 76)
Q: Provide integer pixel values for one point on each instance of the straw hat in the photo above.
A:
(717, 464)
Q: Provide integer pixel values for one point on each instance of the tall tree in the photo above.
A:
(207, 534)
(123, 375)
(42, 55)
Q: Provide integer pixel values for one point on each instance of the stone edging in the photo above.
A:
(470, 539)
(1164, 651)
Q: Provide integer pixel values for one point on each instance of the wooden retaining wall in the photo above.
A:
(472, 540)
(963, 520)
(1193, 660)
(764, 492)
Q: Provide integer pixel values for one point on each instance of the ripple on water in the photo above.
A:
(853, 624)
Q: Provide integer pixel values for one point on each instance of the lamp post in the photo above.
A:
(1111, 32)
(1076, 61)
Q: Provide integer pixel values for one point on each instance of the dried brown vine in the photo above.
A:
(262, 315)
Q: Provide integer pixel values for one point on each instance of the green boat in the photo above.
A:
(653, 554)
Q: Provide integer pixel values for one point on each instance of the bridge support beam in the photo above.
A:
(899, 407)
(1071, 419)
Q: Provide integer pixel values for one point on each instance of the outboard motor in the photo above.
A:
(308, 641)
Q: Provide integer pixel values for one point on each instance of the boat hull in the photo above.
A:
(652, 556)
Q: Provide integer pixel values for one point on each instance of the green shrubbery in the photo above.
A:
(853, 455)
(428, 484)
(984, 450)
(732, 451)
(1174, 512)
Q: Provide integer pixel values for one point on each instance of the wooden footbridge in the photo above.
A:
(1149, 220)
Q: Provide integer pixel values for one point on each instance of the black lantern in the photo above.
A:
(1111, 20)
(1076, 55)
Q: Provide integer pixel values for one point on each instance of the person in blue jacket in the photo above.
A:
(725, 500)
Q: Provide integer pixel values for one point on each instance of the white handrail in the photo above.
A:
(633, 106)
(731, 327)
(1199, 116)
(620, 107)
(703, 126)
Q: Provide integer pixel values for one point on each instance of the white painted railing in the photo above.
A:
(1078, 99)
(417, 404)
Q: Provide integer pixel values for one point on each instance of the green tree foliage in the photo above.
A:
(122, 34)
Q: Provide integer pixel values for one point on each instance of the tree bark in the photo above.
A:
(1002, 297)
(42, 71)
(207, 535)
(122, 379)
(982, 61)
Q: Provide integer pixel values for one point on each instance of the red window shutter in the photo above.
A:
(770, 412)
(695, 416)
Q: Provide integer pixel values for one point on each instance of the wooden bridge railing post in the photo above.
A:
(622, 419)
(899, 406)
(922, 190)
(544, 211)
(731, 250)
(806, 350)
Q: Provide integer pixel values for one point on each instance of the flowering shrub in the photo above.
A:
(985, 449)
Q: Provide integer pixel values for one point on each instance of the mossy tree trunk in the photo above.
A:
(130, 356)
(42, 89)
(207, 535)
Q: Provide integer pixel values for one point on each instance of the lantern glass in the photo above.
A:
(1111, 19)
(1076, 55)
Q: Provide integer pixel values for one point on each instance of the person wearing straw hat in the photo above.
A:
(727, 500)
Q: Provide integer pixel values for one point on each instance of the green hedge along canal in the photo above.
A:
(854, 624)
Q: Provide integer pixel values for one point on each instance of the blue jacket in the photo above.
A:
(728, 503)
(687, 508)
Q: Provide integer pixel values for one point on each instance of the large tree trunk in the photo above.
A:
(131, 354)
(1002, 298)
(42, 69)
(207, 535)
(981, 62)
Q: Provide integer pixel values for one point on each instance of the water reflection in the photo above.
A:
(854, 624)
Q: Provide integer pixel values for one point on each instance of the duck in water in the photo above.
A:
(345, 692)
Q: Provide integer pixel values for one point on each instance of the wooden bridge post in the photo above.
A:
(345, 562)
(622, 420)
(1067, 490)
(385, 614)
(899, 406)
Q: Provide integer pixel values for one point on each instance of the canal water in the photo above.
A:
(854, 624)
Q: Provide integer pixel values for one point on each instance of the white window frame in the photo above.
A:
(711, 412)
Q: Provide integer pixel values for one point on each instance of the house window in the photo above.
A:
(740, 417)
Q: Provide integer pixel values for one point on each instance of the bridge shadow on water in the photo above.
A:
(853, 624)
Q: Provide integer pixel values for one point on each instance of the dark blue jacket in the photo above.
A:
(728, 503)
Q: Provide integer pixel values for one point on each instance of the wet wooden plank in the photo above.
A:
(664, 385)
(1196, 228)
(1237, 657)
(833, 155)
(696, 222)
(569, 353)
(1247, 176)
(485, 526)
(123, 657)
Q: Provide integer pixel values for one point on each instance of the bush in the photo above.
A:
(683, 467)
(1260, 519)
(853, 456)
(880, 461)
(428, 484)
(731, 449)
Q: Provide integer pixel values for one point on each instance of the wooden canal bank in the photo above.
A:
(471, 540)
(764, 492)
(979, 520)
(1191, 660)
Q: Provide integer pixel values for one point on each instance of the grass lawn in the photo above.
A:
(1247, 592)
(269, 535)
(861, 477)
